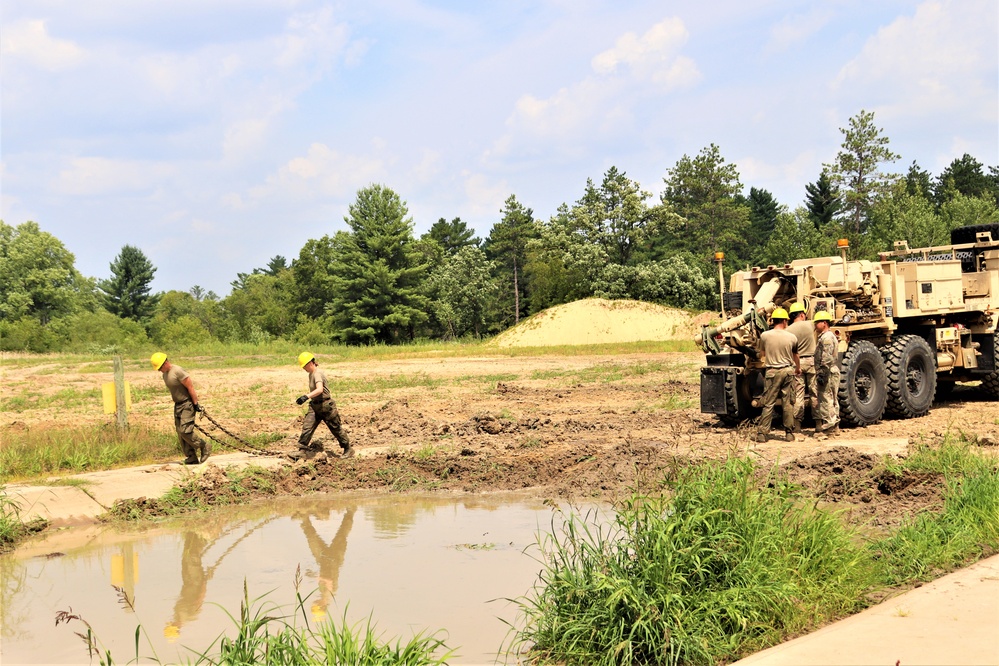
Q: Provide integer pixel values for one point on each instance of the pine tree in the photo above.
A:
(822, 200)
(126, 293)
(452, 236)
(378, 274)
(507, 246)
(763, 211)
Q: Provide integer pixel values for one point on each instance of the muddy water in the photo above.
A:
(413, 563)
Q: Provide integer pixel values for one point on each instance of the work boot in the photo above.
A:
(348, 452)
(760, 437)
(206, 449)
(818, 428)
(191, 461)
(833, 430)
(788, 436)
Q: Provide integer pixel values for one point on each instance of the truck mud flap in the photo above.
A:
(718, 391)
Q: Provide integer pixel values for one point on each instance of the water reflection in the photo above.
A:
(329, 557)
(415, 563)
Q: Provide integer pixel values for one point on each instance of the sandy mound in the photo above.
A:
(595, 321)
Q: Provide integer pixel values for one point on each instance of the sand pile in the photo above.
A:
(594, 321)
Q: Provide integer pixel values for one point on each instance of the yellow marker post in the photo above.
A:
(108, 396)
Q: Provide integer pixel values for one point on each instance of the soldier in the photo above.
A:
(322, 409)
(780, 348)
(826, 377)
(185, 406)
(804, 384)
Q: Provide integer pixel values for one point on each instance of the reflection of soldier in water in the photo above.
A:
(193, 583)
(329, 558)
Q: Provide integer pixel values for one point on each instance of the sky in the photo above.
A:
(215, 135)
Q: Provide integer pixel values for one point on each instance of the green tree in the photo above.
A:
(702, 190)
(126, 293)
(452, 236)
(856, 170)
(796, 237)
(38, 277)
(313, 270)
(917, 182)
(507, 246)
(905, 216)
(461, 290)
(563, 264)
(763, 212)
(377, 279)
(176, 310)
(960, 211)
(675, 281)
(822, 200)
(615, 215)
(263, 308)
(966, 176)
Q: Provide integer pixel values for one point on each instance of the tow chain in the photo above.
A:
(243, 445)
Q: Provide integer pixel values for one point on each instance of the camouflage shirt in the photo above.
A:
(827, 351)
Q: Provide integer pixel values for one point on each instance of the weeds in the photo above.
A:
(264, 633)
(33, 452)
(12, 529)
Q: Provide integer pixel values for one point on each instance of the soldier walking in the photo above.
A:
(185, 406)
(827, 377)
(322, 409)
(780, 348)
(805, 390)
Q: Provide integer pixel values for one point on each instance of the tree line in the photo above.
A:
(377, 282)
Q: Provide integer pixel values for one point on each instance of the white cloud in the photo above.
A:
(30, 41)
(485, 197)
(636, 67)
(942, 57)
(796, 29)
(90, 176)
(321, 173)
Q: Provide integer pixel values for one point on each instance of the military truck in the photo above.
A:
(909, 326)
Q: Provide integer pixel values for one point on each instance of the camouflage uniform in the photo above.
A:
(826, 359)
(322, 409)
(805, 388)
(779, 346)
(183, 415)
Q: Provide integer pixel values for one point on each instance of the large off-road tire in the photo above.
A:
(990, 382)
(912, 376)
(863, 383)
(737, 406)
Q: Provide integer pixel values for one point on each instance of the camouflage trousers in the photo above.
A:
(828, 411)
(183, 420)
(323, 412)
(806, 391)
(778, 382)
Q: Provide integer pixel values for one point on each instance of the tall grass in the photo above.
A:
(12, 529)
(730, 561)
(721, 567)
(264, 633)
(38, 452)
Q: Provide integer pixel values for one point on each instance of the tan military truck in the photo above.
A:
(909, 325)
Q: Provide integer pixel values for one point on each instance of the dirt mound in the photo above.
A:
(594, 321)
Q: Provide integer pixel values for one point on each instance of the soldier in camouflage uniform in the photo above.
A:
(805, 390)
(185, 406)
(322, 409)
(780, 348)
(827, 377)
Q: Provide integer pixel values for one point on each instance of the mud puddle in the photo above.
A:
(413, 563)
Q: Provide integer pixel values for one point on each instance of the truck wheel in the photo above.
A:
(912, 376)
(990, 382)
(862, 394)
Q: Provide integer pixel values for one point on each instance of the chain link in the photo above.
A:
(243, 445)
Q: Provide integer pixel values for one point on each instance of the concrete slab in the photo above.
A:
(953, 620)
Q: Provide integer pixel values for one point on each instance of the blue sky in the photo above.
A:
(216, 134)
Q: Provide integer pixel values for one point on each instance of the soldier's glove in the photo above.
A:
(197, 407)
(822, 376)
(302, 399)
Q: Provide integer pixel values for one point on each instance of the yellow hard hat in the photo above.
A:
(157, 360)
(822, 315)
(304, 358)
(779, 313)
(797, 306)
(318, 611)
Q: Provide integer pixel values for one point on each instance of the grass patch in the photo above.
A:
(12, 528)
(32, 453)
(731, 560)
(264, 633)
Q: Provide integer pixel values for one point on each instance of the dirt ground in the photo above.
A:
(564, 426)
